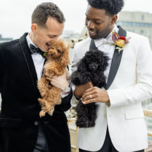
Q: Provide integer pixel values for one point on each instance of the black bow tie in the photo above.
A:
(33, 50)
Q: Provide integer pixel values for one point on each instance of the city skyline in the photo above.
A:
(16, 19)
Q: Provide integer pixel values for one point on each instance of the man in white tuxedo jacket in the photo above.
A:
(120, 124)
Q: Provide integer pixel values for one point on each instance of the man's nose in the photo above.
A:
(90, 25)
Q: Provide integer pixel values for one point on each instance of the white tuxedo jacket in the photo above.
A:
(129, 84)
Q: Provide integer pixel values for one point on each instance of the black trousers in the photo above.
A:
(107, 146)
(36, 150)
(41, 144)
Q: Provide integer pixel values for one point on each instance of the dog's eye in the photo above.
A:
(59, 51)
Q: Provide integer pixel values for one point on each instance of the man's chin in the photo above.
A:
(93, 37)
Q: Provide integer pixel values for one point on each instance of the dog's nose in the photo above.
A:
(52, 54)
(94, 67)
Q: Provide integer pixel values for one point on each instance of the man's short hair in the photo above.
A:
(45, 10)
(111, 6)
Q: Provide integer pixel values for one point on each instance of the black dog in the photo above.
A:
(90, 68)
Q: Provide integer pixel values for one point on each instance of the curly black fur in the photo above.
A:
(90, 68)
(111, 6)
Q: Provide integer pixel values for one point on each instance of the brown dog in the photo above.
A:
(56, 65)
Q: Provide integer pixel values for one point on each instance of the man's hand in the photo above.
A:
(95, 94)
(60, 81)
(79, 90)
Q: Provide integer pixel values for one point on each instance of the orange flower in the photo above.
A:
(120, 43)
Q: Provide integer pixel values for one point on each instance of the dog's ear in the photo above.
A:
(65, 61)
(82, 66)
(104, 63)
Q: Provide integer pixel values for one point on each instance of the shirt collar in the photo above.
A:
(98, 42)
(29, 41)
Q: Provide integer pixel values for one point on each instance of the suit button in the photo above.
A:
(36, 123)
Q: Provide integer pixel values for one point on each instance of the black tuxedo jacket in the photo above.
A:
(19, 118)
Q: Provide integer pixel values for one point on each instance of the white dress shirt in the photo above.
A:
(107, 48)
(38, 60)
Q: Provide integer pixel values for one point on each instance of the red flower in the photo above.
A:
(119, 41)
(115, 37)
(123, 38)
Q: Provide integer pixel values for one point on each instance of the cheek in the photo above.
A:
(41, 41)
(43, 38)
(103, 29)
(100, 31)
(100, 28)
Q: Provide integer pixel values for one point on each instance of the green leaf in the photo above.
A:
(45, 54)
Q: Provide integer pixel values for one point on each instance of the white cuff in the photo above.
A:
(64, 95)
(74, 101)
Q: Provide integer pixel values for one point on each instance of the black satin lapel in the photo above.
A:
(29, 61)
(92, 45)
(115, 60)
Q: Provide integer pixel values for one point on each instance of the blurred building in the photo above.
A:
(67, 35)
(137, 22)
(4, 39)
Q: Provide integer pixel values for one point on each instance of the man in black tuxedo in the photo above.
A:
(21, 128)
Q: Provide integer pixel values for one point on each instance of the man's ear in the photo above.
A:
(114, 19)
(65, 57)
(34, 28)
(82, 66)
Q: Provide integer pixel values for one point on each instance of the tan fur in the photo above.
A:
(55, 65)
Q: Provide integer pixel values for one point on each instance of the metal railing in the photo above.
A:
(76, 134)
(148, 113)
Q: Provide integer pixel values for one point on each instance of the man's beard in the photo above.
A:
(101, 34)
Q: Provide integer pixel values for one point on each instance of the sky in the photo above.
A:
(15, 15)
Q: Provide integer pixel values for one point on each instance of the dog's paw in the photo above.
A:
(50, 112)
(42, 102)
(42, 113)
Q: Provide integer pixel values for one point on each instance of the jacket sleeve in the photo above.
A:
(1, 70)
(66, 101)
(75, 60)
(142, 90)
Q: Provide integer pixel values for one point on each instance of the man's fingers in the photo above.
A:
(54, 77)
(89, 101)
(89, 90)
(88, 95)
(90, 84)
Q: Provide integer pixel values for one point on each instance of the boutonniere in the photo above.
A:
(45, 54)
(119, 41)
